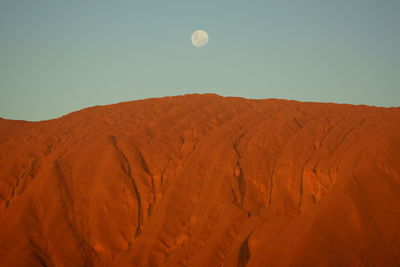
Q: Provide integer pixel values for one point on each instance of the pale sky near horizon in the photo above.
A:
(60, 56)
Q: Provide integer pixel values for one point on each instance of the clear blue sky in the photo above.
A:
(60, 56)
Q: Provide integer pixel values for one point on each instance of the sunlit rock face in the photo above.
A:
(202, 180)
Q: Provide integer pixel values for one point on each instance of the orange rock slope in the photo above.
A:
(202, 180)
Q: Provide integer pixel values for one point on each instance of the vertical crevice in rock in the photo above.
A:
(41, 254)
(301, 189)
(236, 143)
(240, 182)
(143, 163)
(147, 170)
(244, 252)
(126, 167)
(271, 182)
(67, 206)
(16, 185)
(238, 171)
(32, 173)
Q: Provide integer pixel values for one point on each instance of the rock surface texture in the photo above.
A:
(202, 180)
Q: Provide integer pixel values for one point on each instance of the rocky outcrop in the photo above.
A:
(202, 180)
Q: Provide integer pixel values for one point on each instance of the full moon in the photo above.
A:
(200, 38)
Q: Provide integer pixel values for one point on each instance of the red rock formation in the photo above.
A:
(202, 180)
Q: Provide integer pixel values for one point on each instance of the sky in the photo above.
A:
(58, 56)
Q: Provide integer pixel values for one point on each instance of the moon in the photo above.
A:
(199, 38)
